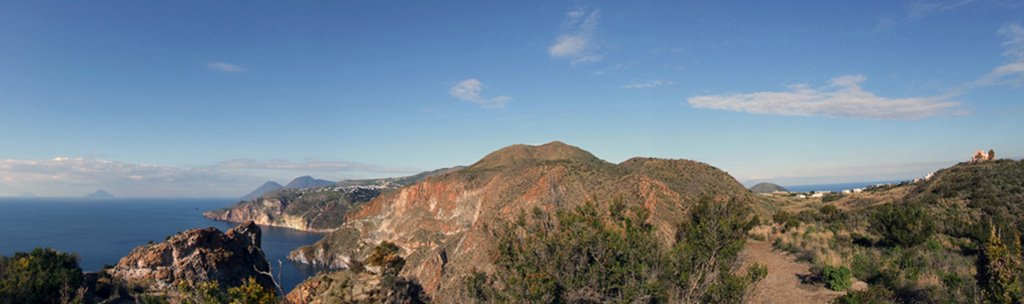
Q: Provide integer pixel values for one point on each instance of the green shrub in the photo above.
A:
(904, 225)
(999, 271)
(864, 267)
(836, 278)
(251, 292)
(786, 219)
(612, 256)
(830, 197)
(38, 276)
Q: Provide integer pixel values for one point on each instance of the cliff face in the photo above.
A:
(444, 223)
(315, 209)
(197, 255)
(318, 209)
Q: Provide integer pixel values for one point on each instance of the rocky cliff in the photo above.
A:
(444, 223)
(318, 209)
(197, 255)
(315, 209)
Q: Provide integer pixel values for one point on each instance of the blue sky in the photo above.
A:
(210, 99)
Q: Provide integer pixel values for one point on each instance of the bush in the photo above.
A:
(786, 219)
(251, 292)
(904, 225)
(39, 276)
(829, 197)
(594, 256)
(836, 278)
(210, 292)
(864, 267)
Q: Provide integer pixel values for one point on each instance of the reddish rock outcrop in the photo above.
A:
(197, 255)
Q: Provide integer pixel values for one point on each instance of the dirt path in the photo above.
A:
(782, 285)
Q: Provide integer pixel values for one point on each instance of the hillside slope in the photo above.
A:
(924, 241)
(444, 223)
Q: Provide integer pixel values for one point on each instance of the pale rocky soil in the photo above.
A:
(782, 285)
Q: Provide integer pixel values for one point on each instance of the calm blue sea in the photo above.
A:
(103, 231)
(836, 187)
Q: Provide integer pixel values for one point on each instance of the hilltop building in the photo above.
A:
(981, 156)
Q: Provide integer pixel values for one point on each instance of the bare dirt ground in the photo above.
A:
(782, 285)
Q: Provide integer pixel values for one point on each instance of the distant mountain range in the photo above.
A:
(767, 188)
(99, 194)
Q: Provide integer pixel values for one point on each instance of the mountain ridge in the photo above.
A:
(442, 221)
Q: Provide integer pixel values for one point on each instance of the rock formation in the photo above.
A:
(443, 223)
(197, 255)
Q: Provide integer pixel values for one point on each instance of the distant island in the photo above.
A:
(267, 187)
(767, 188)
(26, 194)
(302, 182)
(99, 194)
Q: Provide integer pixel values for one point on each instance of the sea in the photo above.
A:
(836, 187)
(101, 231)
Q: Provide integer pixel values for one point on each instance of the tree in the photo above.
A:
(386, 256)
(251, 292)
(704, 257)
(991, 154)
(904, 225)
(999, 270)
(39, 276)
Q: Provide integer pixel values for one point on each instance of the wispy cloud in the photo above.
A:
(648, 84)
(843, 97)
(76, 176)
(470, 90)
(224, 67)
(325, 167)
(1011, 72)
(923, 9)
(577, 42)
(613, 68)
